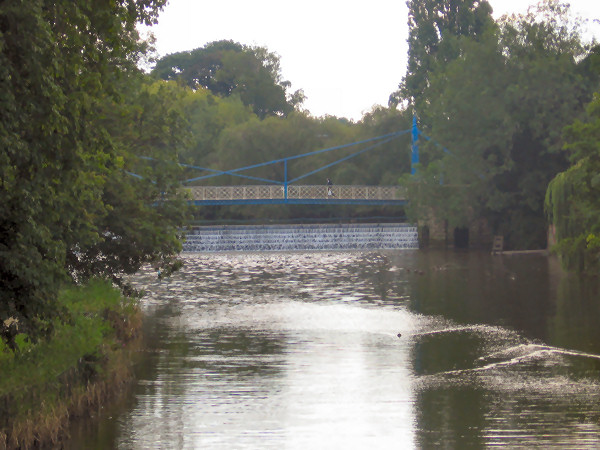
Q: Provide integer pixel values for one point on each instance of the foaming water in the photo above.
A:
(334, 350)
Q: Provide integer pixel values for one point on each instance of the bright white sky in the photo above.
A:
(347, 55)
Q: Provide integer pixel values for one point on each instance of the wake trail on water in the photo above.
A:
(519, 354)
(458, 329)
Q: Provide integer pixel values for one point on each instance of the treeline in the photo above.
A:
(240, 113)
(497, 96)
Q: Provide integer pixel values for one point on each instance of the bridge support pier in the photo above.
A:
(436, 233)
(415, 147)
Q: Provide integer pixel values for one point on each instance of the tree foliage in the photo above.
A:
(208, 116)
(62, 67)
(144, 203)
(434, 26)
(498, 108)
(573, 197)
(227, 68)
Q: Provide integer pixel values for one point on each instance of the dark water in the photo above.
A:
(301, 350)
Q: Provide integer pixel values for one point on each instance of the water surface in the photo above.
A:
(301, 350)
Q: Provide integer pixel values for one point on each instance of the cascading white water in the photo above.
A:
(302, 237)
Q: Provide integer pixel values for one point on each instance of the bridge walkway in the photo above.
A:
(297, 194)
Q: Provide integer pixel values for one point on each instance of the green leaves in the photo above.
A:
(500, 106)
(227, 69)
(573, 197)
(434, 26)
(63, 64)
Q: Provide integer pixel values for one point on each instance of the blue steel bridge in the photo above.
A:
(263, 191)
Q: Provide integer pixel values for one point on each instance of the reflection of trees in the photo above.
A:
(575, 322)
(506, 409)
(476, 288)
(451, 418)
(448, 415)
(541, 399)
(384, 275)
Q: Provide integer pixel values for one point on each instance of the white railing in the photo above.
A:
(269, 192)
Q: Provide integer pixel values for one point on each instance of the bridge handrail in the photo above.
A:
(262, 192)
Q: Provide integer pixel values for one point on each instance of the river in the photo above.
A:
(408, 349)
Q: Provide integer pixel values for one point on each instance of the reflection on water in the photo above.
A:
(301, 350)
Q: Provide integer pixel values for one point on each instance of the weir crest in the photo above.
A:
(372, 236)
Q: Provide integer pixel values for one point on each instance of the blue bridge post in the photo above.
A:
(285, 180)
(415, 147)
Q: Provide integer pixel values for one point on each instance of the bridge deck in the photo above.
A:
(297, 194)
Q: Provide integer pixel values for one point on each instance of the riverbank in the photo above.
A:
(85, 362)
(524, 252)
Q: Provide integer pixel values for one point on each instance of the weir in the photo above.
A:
(258, 238)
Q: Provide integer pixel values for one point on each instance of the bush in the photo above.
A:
(44, 377)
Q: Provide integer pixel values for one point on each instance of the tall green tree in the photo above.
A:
(492, 109)
(433, 26)
(145, 206)
(61, 63)
(228, 68)
(198, 68)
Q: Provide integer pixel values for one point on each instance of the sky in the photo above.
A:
(346, 55)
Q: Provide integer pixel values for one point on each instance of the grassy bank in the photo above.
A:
(86, 359)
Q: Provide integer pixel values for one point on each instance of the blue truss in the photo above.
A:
(379, 140)
(374, 142)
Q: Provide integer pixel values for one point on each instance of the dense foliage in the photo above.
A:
(73, 112)
(573, 196)
(499, 107)
(433, 28)
(227, 68)
(45, 383)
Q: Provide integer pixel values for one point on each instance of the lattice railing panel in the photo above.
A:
(267, 192)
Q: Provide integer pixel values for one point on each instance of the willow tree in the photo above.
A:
(573, 197)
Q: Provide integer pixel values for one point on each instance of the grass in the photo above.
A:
(43, 384)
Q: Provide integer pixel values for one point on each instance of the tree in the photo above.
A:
(433, 28)
(255, 142)
(227, 68)
(542, 50)
(208, 116)
(492, 110)
(61, 62)
(145, 206)
(382, 165)
(573, 197)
